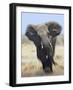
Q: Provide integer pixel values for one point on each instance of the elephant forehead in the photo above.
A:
(41, 27)
(42, 30)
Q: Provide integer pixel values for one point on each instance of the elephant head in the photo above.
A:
(44, 34)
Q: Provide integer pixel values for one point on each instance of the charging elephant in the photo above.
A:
(44, 38)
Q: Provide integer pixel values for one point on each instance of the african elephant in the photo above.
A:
(44, 38)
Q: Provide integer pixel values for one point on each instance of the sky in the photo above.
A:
(39, 18)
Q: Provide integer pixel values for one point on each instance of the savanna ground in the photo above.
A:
(31, 66)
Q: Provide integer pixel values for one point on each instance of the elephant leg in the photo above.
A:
(51, 69)
(47, 69)
(50, 60)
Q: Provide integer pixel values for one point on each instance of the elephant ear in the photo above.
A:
(54, 28)
(31, 27)
(30, 31)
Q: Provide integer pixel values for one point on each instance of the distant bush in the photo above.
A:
(24, 39)
(60, 40)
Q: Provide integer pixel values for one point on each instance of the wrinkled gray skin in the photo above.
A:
(44, 38)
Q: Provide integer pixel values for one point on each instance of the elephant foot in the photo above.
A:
(48, 70)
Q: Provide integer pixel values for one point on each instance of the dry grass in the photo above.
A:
(31, 66)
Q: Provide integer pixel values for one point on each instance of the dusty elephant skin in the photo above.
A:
(44, 38)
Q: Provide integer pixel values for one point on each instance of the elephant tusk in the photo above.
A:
(41, 45)
(51, 46)
(46, 56)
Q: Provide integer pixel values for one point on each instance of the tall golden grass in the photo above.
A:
(31, 65)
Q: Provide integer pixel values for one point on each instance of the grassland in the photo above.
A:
(31, 66)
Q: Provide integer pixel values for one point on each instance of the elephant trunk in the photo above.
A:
(46, 43)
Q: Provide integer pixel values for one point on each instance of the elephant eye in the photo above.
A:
(31, 33)
(55, 30)
(49, 36)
